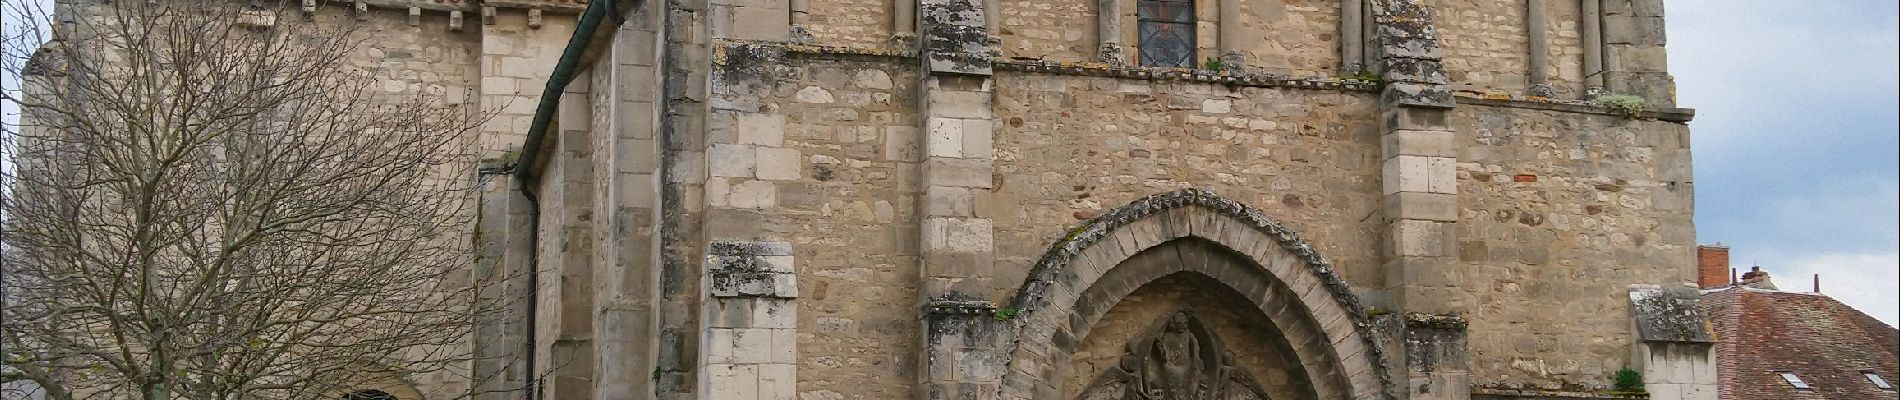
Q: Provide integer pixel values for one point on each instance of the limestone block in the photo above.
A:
(900, 144)
(778, 263)
(635, 156)
(1419, 238)
(971, 235)
(774, 314)
(783, 286)
(779, 164)
(1634, 30)
(719, 343)
(1217, 106)
(730, 381)
(633, 119)
(1421, 206)
(731, 161)
(959, 104)
(1406, 174)
(1415, 118)
(977, 137)
(814, 94)
(971, 173)
(760, 128)
(945, 201)
(753, 194)
(778, 381)
(751, 345)
(1637, 58)
(944, 137)
(1425, 272)
(730, 314)
(754, 22)
(872, 79)
(1441, 175)
(784, 346)
(1435, 143)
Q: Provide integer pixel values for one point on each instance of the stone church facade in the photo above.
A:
(1068, 199)
(1031, 199)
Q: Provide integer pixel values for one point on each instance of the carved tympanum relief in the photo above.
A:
(1177, 359)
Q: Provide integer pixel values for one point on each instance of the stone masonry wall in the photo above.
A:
(1560, 212)
(824, 156)
(1069, 147)
(1295, 37)
(1486, 48)
(425, 58)
(854, 23)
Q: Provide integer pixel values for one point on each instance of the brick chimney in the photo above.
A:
(1711, 263)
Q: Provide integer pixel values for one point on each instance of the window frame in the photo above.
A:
(1877, 380)
(1187, 21)
(1794, 380)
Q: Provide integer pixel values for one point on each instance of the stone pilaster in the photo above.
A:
(958, 243)
(1671, 344)
(751, 314)
(624, 280)
(1634, 59)
(502, 264)
(1423, 275)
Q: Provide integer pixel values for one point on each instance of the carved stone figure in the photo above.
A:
(1178, 359)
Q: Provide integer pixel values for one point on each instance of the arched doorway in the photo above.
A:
(1218, 246)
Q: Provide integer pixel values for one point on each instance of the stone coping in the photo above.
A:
(1574, 106)
(1489, 393)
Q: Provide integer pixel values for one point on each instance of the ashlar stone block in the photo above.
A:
(778, 381)
(760, 129)
(1439, 143)
(971, 235)
(733, 381)
(731, 161)
(978, 135)
(779, 164)
(1421, 206)
(970, 173)
(944, 137)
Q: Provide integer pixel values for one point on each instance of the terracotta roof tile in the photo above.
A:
(1824, 342)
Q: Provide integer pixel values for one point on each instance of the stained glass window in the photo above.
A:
(1167, 32)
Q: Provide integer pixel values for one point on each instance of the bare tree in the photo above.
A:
(209, 203)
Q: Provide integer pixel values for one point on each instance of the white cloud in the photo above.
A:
(1868, 282)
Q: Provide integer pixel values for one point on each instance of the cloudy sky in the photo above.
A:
(1795, 139)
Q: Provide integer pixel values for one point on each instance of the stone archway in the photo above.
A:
(1276, 271)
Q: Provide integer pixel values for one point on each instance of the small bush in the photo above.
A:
(1625, 104)
(1005, 313)
(1628, 380)
(1213, 64)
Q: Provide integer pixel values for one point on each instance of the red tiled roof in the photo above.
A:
(1824, 342)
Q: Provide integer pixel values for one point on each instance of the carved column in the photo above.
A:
(1108, 30)
(1352, 39)
(1423, 276)
(1592, 14)
(1537, 24)
(1231, 55)
(958, 245)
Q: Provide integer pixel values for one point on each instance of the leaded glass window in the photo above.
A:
(1167, 32)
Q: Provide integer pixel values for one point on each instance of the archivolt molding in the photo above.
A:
(1038, 292)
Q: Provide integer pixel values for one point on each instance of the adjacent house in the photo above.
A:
(1775, 344)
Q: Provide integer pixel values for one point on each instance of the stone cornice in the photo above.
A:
(1571, 106)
